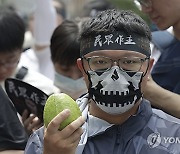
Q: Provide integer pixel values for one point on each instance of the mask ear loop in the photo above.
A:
(144, 74)
(83, 65)
(90, 82)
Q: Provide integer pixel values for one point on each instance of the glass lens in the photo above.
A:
(100, 63)
(145, 3)
(131, 64)
(10, 64)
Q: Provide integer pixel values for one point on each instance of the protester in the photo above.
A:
(47, 16)
(12, 31)
(65, 50)
(11, 40)
(115, 62)
(165, 14)
(166, 71)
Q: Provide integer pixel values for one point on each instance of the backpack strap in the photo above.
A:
(22, 73)
(162, 39)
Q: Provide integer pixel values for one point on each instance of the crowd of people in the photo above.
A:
(124, 77)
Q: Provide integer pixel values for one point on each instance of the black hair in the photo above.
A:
(114, 20)
(12, 30)
(65, 46)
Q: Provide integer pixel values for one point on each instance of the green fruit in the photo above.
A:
(55, 104)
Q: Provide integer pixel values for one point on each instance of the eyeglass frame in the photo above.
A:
(146, 3)
(11, 61)
(112, 62)
(10, 64)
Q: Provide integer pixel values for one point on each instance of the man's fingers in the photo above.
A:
(25, 115)
(72, 127)
(28, 120)
(53, 126)
(76, 136)
(34, 124)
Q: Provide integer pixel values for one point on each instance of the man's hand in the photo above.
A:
(151, 88)
(31, 122)
(66, 140)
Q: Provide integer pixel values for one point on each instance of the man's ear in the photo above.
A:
(151, 62)
(80, 65)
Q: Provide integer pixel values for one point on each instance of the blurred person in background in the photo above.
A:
(92, 7)
(164, 14)
(163, 88)
(65, 50)
(12, 31)
(46, 17)
(13, 137)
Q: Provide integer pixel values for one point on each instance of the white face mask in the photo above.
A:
(74, 88)
(115, 91)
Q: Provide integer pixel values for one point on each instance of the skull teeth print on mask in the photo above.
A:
(115, 91)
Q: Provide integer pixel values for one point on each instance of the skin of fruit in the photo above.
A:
(55, 104)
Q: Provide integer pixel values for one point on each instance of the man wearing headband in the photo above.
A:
(115, 62)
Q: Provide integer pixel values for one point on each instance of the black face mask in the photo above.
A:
(115, 91)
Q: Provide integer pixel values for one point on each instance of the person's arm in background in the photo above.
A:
(31, 122)
(12, 133)
(163, 99)
(12, 152)
(44, 25)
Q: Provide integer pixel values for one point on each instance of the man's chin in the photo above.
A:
(162, 26)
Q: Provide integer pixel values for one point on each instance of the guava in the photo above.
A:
(55, 104)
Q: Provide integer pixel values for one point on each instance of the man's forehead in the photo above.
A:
(10, 54)
(115, 53)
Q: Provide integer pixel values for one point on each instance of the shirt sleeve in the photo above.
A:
(35, 142)
(45, 22)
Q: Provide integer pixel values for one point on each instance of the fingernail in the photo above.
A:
(67, 111)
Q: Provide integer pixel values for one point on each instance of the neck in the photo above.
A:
(112, 119)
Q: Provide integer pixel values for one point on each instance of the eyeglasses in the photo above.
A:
(9, 64)
(126, 64)
(145, 3)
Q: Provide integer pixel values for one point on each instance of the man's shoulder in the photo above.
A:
(159, 114)
(164, 124)
(41, 82)
(163, 132)
(163, 39)
(160, 119)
